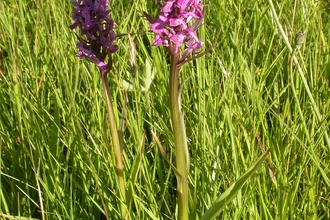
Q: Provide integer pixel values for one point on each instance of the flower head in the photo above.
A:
(172, 27)
(96, 29)
(299, 38)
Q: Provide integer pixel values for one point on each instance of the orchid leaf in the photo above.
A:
(227, 196)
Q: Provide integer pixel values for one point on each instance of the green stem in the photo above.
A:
(118, 149)
(180, 140)
(303, 121)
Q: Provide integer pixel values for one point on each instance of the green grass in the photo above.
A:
(52, 112)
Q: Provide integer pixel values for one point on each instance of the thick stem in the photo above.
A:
(180, 140)
(117, 147)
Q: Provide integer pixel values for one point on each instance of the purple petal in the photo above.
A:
(158, 25)
(168, 6)
(157, 41)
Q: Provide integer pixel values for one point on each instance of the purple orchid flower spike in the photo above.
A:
(96, 29)
(96, 44)
(172, 28)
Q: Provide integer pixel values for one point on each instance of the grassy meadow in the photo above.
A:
(243, 97)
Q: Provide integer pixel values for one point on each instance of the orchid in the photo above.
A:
(175, 27)
(96, 44)
(96, 29)
(172, 27)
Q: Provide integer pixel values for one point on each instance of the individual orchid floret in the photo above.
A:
(172, 28)
(96, 30)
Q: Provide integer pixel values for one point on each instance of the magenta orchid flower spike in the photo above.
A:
(172, 27)
(96, 29)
